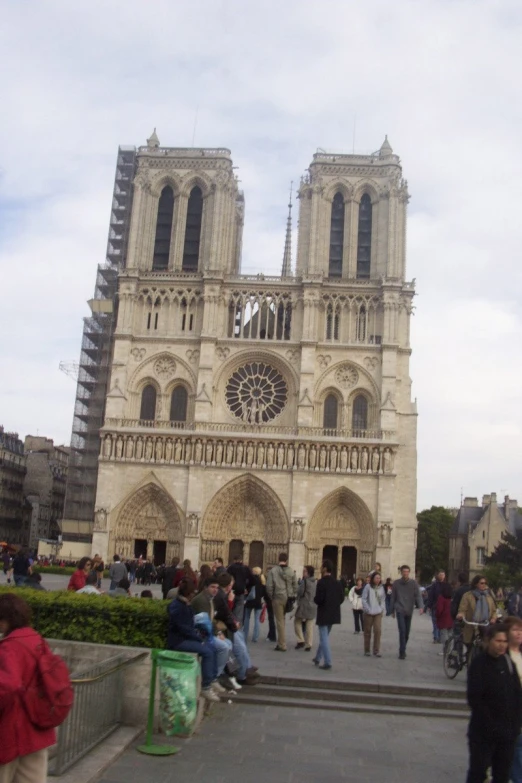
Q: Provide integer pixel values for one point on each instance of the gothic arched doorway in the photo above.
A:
(246, 510)
(149, 522)
(342, 530)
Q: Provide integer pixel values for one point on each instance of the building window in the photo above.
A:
(332, 323)
(364, 237)
(360, 413)
(256, 393)
(193, 231)
(148, 403)
(330, 412)
(481, 555)
(160, 259)
(335, 265)
(178, 404)
(360, 325)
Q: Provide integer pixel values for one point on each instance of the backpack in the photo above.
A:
(49, 697)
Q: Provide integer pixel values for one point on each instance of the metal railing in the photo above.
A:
(96, 712)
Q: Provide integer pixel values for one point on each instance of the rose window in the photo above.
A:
(256, 393)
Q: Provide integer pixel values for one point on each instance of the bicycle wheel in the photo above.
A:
(451, 659)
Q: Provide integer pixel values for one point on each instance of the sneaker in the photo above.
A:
(377, 655)
(326, 666)
(316, 662)
(252, 669)
(235, 684)
(226, 682)
(209, 694)
(307, 649)
(402, 657)
(368, 655)
(277, 648)
(299, 645)
(216, 686)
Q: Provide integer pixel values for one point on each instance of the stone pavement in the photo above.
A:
(279, 745)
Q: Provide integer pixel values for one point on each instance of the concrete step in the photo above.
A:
(432, 692)
(254, 696)
(348, 696)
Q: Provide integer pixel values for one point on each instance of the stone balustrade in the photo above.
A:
(261, 453)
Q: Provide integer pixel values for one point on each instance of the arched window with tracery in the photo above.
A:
(193, 231)
(364, 237)
(330, 412)
(332, 322)
(148, 403)
(360, 413)
(178, 404)
(361, 325)
(335, 265)
(160, 259)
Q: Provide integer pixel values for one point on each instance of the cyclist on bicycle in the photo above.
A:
(476, 606)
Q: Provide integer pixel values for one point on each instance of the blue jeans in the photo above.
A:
(239, 649)
(239, 608)
(246, 623)
(516, 767)
(20, 581)
(208, 655)
(222, 647)
(404, 625)
(387, 603)
(323, 651)
(436, 631)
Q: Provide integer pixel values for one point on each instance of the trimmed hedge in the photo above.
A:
(134, 622)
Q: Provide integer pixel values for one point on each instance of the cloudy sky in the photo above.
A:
(273, 81)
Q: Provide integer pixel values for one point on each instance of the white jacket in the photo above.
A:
(355, 600)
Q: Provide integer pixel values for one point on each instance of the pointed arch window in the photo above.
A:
(330, 412)
(360, 413)
(360, 325)
(148, 403)
(193, 231)
(335, 265)
(332, 322)
(178, 404)
(364, 237)
(160, 259)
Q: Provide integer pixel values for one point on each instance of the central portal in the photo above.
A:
(345, 557)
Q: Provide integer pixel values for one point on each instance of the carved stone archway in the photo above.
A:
(151, 515)
(342, 520)
(245, 509)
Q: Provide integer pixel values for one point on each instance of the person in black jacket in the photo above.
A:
(169, 574)
(495, 699)
(463, 587)
(242, 584)
(329, 596)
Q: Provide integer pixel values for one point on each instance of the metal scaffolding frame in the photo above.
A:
(96, 351)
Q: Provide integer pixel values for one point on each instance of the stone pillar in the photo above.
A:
(296, 557)
(191, 551)
(100, 544)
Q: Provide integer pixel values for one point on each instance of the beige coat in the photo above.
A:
(467, 610)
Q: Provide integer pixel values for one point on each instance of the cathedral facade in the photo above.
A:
(253, 414)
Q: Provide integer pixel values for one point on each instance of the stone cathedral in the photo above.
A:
(253, 414)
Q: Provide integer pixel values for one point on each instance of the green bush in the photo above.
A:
(135, 622)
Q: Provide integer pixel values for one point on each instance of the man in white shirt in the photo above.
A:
(514, 629)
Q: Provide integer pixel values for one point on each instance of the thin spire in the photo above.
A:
(286, 271)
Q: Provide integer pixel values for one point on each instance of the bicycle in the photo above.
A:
(456, 655)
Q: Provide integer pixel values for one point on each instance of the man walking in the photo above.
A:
(117, 572)
(329, 596)
(463, 587)
(406, 595)
(281, 584)
(242, 577)
(433, 597)
(495, 699)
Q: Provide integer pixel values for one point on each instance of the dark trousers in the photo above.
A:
(208, 657)
(484, 754)
(272, 634)
(358, 620)
(404, 625)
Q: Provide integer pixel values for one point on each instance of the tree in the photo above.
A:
(433, 541)
(509, 554)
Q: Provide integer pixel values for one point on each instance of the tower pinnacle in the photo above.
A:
(386, 148)
(286, 270)
(153, 141)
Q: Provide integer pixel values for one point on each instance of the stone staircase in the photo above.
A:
(382, 699)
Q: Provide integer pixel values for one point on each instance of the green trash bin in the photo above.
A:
(178, 676)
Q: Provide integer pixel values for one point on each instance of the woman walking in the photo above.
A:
(374, 604)
(355, 598)
(306, 610)
(443, 613)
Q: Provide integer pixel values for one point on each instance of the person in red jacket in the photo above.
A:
(443, 613)
(79, 578)
(23, 747)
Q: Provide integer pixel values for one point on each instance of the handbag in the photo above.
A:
(289, 604)
(262, 616)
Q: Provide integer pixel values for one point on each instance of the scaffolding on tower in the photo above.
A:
(96, 352)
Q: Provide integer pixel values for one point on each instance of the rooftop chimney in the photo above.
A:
(486, 500)
(470, 502)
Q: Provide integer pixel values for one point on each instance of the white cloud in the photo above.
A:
(273, 82)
